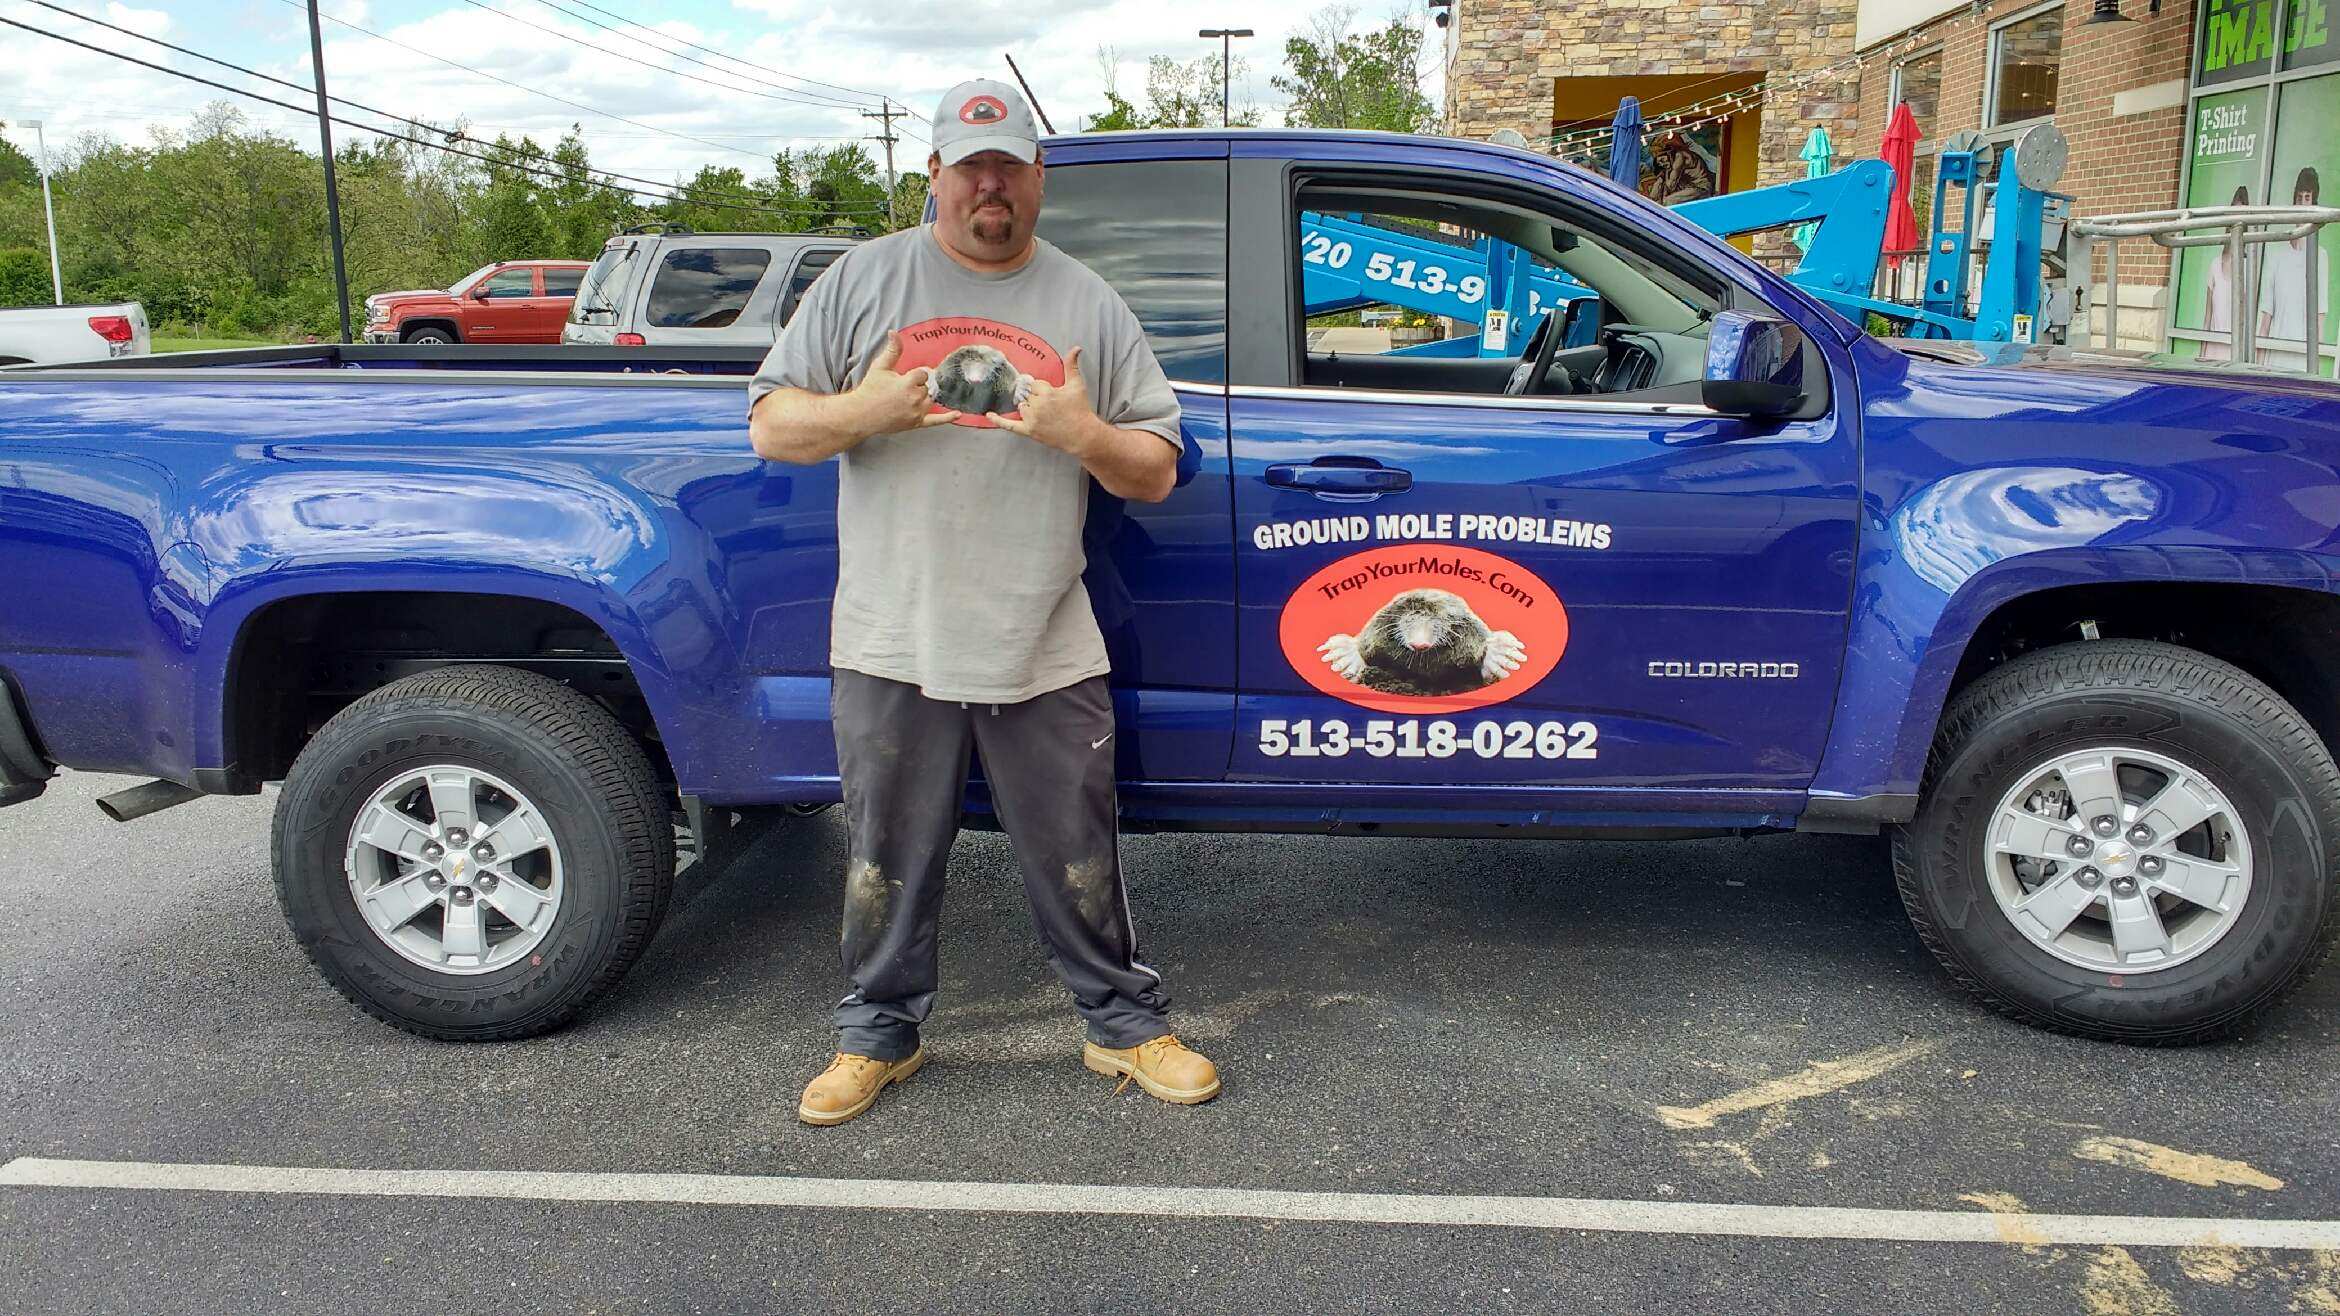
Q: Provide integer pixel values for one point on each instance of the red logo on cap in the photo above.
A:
(982, 109)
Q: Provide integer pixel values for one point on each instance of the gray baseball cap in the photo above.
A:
(983, 115)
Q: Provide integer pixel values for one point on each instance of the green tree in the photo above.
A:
(16, 168)
(1340, 78)
(1178, 95)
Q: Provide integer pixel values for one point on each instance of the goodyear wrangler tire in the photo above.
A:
(2124, 840)
(473, 853)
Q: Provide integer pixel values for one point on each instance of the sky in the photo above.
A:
(807, 67)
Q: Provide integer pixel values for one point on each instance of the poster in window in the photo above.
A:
(2229, 141)
(2306, 173)
(2237, 41)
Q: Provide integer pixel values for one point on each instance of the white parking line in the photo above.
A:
(1593, 1215)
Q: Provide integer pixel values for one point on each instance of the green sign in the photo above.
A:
(2240, 38)
(2229, 153)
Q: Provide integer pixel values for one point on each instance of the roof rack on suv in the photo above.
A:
(669, 230)
(838, 231)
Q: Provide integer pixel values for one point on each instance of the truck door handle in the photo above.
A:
(1337, 476)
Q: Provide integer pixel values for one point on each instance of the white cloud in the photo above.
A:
(726, 113)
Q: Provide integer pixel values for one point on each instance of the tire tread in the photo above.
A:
(2148, 666)
(621, 777)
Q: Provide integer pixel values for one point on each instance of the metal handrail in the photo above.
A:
(2233, 227)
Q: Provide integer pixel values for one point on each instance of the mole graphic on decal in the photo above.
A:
(1425, 642)
(977, 379)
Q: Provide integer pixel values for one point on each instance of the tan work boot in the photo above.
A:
(850, 1085)
(1163, 1067)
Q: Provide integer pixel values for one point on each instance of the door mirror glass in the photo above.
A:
(1580, 325)
(1754, 365)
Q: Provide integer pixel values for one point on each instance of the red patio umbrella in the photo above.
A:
(1900, 151)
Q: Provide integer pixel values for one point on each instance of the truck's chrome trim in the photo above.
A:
(1392, 397)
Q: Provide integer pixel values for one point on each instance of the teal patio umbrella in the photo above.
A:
(1817, 155)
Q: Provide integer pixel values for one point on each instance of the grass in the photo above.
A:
(162, 344)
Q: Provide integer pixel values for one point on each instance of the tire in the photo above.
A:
(610, 856)
(2131, 703)
(430, 336)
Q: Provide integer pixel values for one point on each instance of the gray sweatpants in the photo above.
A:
(1049, 762)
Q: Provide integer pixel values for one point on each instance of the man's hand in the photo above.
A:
(1058, 415)
(888, 403)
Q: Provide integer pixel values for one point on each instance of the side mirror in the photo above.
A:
(479, 294)
(1754, 365)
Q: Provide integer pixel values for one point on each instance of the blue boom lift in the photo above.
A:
(1348, 262)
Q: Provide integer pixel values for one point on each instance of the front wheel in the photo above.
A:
(2124, 840)
(473, 853)
(430, 336)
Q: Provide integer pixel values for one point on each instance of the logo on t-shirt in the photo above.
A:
(979, 366)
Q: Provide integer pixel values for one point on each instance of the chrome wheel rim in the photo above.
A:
(454, 869)
(2118, 860)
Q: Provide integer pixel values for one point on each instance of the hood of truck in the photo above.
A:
(2112, 363)
(388, 302)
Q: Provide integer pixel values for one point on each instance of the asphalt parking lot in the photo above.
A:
(1461, 1076)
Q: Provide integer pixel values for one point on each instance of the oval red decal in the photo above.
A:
(978, 365)
(1424, 628)
(982, 110)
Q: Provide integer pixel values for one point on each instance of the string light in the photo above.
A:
(1725, 105)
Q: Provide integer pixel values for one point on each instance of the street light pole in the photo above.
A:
(1226, 36)
(49, 210)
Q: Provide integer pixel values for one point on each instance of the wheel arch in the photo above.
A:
(408, 328)
(320, 628)
(1906, 660)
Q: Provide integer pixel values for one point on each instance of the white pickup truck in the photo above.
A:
(46, 335)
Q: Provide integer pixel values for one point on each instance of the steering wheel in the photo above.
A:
(1535, 360)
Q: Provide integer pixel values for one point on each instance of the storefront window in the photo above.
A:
(2266, 94)
(2025, 57)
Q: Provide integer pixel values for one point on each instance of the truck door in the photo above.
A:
(557, 293)
(1603, 585)
(1161, 575)
(500, 309)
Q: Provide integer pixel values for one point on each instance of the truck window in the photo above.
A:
(705, 287)
(810, 266)
(510, 283)
(1442, 294)
(1157, 231)
(562, 282)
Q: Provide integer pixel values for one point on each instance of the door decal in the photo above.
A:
(1423, 628)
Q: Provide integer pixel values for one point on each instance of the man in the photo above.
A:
(974, 379)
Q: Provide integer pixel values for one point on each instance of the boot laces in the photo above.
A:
(1150, 1051)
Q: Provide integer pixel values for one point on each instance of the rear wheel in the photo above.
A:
(473, 853)
(2124, 840)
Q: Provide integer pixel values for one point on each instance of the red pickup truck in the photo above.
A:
(516, 301)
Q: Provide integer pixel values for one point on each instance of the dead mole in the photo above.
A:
(1425, 642)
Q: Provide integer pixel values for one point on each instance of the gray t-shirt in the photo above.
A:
(959, 547)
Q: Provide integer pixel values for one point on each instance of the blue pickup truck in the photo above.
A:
(1696, 558)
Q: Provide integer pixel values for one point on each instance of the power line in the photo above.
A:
(573, 39)
(850, 91)
(664, 132)
(821, 98)
(399, 118)
(655, 190)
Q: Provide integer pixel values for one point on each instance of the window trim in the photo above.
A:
(1893, 94)
(784, 308)
(1991, 126)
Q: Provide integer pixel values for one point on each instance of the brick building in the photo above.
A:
(2156, 116)
(2117, 90)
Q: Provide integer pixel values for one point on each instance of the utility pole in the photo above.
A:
(1226, 36)
(49, 209)
(888, 114)
(332, 189)
(1029, 98)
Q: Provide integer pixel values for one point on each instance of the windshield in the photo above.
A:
(463, 285)
(605, 285)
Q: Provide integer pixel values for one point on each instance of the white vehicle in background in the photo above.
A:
(46, 335)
